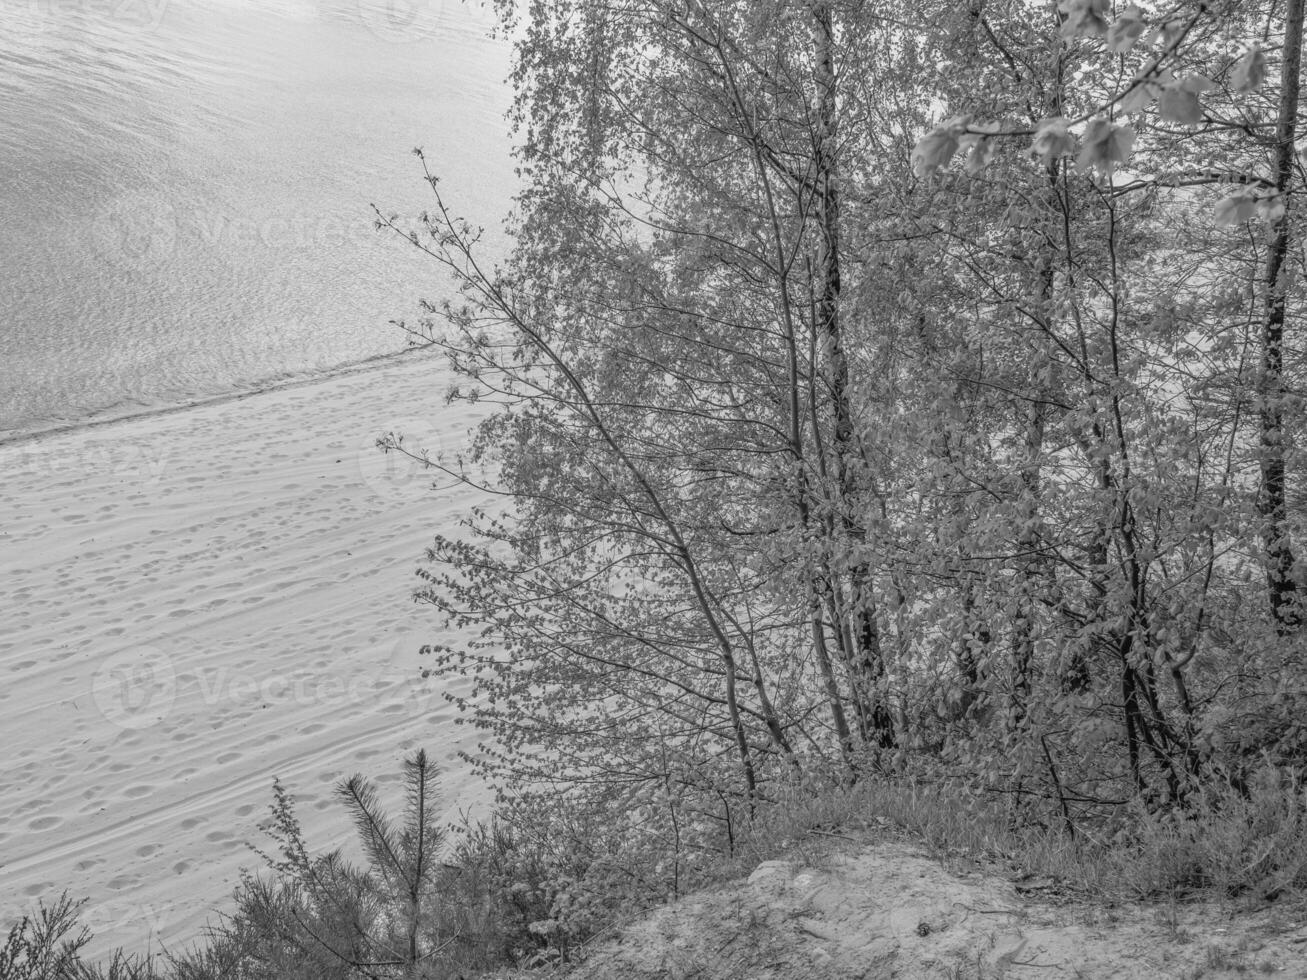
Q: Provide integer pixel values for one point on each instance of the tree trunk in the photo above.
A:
(868, 668)
(1281, 586)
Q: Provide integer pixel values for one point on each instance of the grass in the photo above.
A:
(1251, 847)
(1227, 845)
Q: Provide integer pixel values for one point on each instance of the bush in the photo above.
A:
(549, 873)
(402, 914)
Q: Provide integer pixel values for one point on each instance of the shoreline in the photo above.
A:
(105, 417)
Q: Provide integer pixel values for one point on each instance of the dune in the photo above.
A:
(196, 602)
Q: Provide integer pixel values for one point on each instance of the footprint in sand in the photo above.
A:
(185, 773)
(190, 823)
(312, 729)
(136, 792)
(245, 811)
(44, 823)
(227, 757)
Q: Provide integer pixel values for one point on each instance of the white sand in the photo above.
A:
(196, 602)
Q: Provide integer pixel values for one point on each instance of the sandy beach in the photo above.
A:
(196, 602)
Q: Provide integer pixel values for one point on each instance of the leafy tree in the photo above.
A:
(818, 453)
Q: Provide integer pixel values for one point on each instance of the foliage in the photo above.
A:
(909, 404)
(538, 882)
(405, 912)
(45, 944)
(401, 913)
(817, 454)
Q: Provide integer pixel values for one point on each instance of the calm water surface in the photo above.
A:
(186, 188)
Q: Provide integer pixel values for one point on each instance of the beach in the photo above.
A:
(198, 601)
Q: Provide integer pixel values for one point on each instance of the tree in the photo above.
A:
(819, 454)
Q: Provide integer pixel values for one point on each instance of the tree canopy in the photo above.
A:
(909, 391)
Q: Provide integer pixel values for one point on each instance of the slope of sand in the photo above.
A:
(886, 909)
(195, 602)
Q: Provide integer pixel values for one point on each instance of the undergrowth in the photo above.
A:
(539, 881)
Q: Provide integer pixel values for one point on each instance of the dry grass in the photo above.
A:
(1251, 846)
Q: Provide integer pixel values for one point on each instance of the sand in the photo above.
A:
(195, 602)
(885, 908)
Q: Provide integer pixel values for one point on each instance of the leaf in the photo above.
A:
(1140, 98)
(1104, 147)
(1084, 18)
(1016, 217)
(1125, 30)
(982, 152)
(1198, 84)
(1237, 208)
(1178, 101)
(1052, 141)
(981, 144)
(1270, 208)
(934, 150)
(1172, 31)
(1250, 71)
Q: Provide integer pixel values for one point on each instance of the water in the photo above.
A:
(185, 189)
